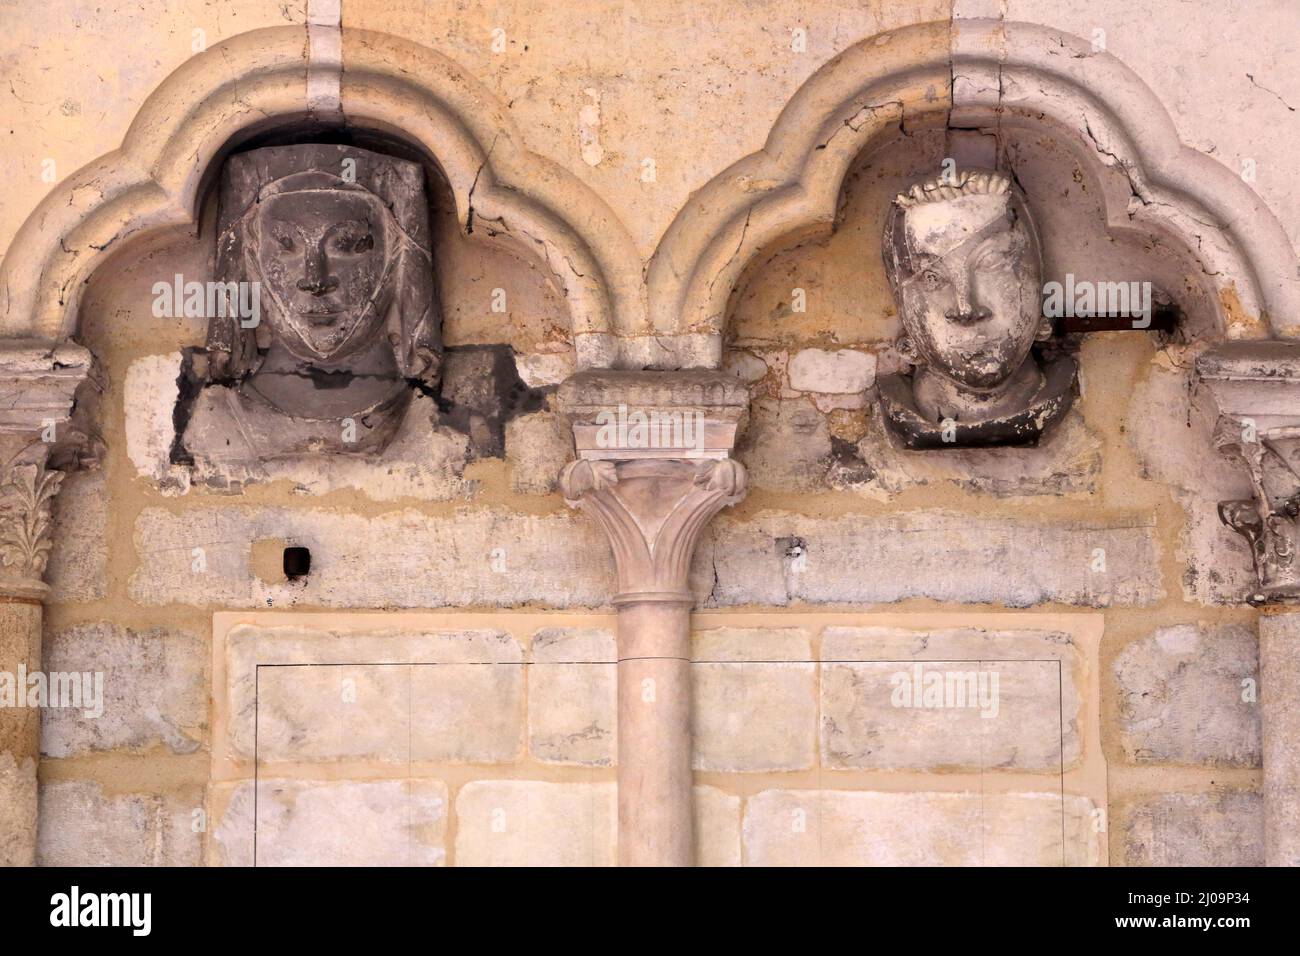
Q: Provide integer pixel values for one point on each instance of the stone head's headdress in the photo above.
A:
(406, 288)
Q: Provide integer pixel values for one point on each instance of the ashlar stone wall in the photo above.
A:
(160, 571)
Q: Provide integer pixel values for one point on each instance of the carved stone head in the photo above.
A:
(338, 239)
(332, 244)
(962, 257)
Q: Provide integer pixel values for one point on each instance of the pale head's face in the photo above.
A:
(968, 286)
(322, 255)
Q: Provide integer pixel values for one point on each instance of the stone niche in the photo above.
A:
(433, 348)
(490, 738)
(814, 328)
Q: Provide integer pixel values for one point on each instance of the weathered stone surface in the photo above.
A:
(1013, 724)
(331, 823)
(467, 713)
(155, 689)
(746, 366)
(786, 446)
(1067, 461)
(861, 828)
(754, 716)
(529, 823)
(400, 559)
(18, 802)
(874, 715)
(1189, 694)
(1193, 829)
(717, 827)
(316, 712)
(424, 459)
(370, 692)
(840, 372)
(542, 369)
(537, 448)
(84, 825)
(712, 645)
(573, 697)
(933, 554)
(78, 566)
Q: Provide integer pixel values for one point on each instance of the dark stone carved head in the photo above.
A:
(962, 257)
(338, 239)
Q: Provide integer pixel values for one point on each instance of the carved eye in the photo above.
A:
(364, 244)
(286, 243)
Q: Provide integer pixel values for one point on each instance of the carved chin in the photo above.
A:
(975, 373)
(323, 340)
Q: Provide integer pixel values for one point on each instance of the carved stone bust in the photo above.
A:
(962, 257)
(335, 244)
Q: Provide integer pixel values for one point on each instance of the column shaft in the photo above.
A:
(654, 735)
(20, 732)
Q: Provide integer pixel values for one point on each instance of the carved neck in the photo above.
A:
(939, 397)
(368, 378)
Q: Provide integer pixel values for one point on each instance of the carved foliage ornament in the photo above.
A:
(1270, 523)
(26, 493)
(962, 257)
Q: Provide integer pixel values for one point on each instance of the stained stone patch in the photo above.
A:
(717, 827)
(467, 713)
(895, 699)
(942, 555)
(419, 695)
(332, 823)
(1189, 694)
(754, 716)
(531, 823)
(78, 565)
(841, 372)
(786, 446)
(1193, 829)
(573, 697)
(537, 448)
(81, 824)
(1066, 461)
(862, 828)
(154, 690)
(398, 559)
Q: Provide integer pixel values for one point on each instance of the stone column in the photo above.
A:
(1256, 388)
(652, 470)
(37, 382)
(1279, 678)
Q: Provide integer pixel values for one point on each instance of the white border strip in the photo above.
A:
(324, 55)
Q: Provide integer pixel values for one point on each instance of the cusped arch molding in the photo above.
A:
(981, 74)
(257, 82)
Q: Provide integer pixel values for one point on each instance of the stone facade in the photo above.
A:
(512, 630)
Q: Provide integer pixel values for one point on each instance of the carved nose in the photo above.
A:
(318, 285)
(969, 315)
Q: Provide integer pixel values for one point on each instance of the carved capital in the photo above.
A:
(653, 511)
(38, 381)
(1256, 388)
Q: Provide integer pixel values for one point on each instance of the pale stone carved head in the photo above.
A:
(337, 239)
(962, 257)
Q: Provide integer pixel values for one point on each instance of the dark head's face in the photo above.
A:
(968, 285)
(322, 254)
